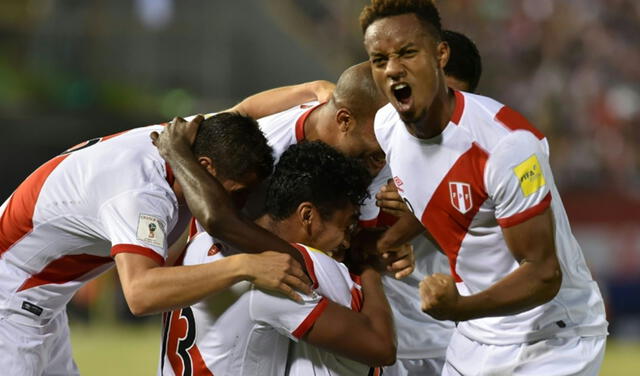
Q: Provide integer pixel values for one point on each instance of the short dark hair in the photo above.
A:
(357, 90)
(425, 10)
(235, 145)
(464, 63)
(313, 171)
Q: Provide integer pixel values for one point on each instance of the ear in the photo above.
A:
(306, 215)
(443, 53)
(344, 118)
(207, 163)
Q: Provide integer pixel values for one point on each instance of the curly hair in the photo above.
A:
(235, 145)
(425, 10)
(464, 62)
(315, 172)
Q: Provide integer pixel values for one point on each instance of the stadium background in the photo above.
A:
(71, 70)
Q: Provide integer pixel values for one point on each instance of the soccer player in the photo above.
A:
(113, 200)
(519, 286)
(344, 327)
(422, 352)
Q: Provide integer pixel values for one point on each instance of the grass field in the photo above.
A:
(133, 350)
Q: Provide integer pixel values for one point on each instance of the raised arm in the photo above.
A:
(279, 99)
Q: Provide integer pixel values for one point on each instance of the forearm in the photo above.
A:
(403, 231)
(376, 307)
(279, 99)
(529, 286)
(162, 289)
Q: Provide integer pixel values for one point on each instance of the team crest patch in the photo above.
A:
(530, 175)
(150, 230)
(460, 194)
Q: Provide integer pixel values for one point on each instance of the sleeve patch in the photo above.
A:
(530, 175)
(151, 230)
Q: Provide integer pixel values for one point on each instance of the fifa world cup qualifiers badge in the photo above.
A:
(151, 230)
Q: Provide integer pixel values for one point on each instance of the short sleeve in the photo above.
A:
(369, 211)
(518, 178)
(288, 317)
(139, 222)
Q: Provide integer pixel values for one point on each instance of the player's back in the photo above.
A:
(58, 227)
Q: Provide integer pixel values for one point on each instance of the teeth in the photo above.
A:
(398, 86)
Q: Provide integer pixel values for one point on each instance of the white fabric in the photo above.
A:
(415, 367)
(36, 350)
(98, 200)
(576, 356)
(247, 332)
(464, 182)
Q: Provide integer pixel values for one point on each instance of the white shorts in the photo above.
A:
(551, 357)
(415, 367)
(36, 350)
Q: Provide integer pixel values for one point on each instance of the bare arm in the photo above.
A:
(367, 336)
(149, 288)
(536, 281)
(279, 99)
(207, 198)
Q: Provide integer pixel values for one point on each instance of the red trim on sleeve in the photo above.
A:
(386, 220)
(368, 223)
(513, 120)
(302, 119)
(311, 318)
(527, 214)
(308, 263)
(139, 250)
(458, 109)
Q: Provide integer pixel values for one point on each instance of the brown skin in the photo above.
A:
(367, 336)
(402, 51)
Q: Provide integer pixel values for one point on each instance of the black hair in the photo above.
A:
(314, 172)
(464, 63)
(425, 10)
(235, 145)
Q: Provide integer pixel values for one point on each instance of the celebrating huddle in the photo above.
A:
(394, 224)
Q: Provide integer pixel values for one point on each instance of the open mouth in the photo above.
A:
(402, 93)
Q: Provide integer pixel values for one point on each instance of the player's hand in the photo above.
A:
(277, 271)
(400, 261)
(178, 132)
(323, 90)
(439, 296)
(390, 201)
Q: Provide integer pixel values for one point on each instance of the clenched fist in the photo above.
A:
(439, 296)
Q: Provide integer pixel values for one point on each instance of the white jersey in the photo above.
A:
(246, 331)
(65, 223)
(419, 336)
(487, 170)
(287, 128)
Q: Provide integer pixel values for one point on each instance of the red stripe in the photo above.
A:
(302, 119)
(193, 228)
(310, 319)
(458, 109)
(513, 120)
(17, 219)
(65, 269)
(170, 177)
(308, 263)
(356, 299)
(368, 223)
(139, 250)
(386, 220)
(527, 214)
(447, 225)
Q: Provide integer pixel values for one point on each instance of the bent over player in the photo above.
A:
(115, 199)
(312, 199)
(519, 285)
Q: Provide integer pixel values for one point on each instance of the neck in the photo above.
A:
(437, 117)
(280, 228)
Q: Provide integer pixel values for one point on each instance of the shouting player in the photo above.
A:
(520, 288)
